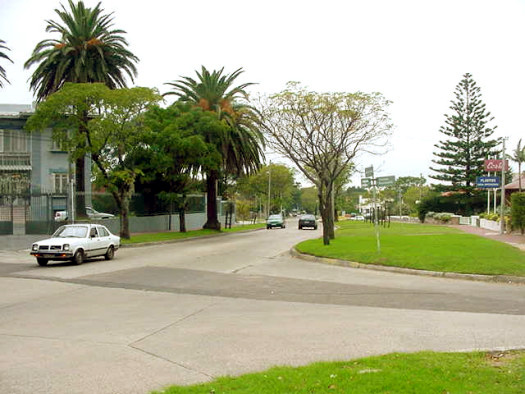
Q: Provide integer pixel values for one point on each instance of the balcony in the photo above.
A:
(15, 162)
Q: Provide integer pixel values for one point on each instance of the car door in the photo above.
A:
(105, 239)
(94, 243)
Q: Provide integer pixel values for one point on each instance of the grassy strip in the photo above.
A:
(424, 372)
(168, 236)
(424, 247)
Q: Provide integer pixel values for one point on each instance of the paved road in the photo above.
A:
(187, 312)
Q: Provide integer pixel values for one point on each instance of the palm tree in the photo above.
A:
(87, 50)
(242, 147)
(4, 56)
(518, 155)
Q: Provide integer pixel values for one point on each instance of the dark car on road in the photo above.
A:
(307, 221)
(275, 221)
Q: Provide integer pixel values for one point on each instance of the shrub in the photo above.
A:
(518, 211)
(443, 216)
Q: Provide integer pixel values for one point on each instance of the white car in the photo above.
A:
(61, 216)
(76, 242)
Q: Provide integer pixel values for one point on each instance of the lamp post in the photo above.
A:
(269, 186)
(502, 205)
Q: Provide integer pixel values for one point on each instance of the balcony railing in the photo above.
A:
(15, 160)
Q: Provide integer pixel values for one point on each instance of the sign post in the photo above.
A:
(370, 181)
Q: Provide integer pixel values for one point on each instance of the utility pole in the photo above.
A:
(269, 186)
(502, 205)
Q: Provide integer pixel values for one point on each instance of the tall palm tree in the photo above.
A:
(518, 155)
(87, 50)
(242, 147)
(4, 56)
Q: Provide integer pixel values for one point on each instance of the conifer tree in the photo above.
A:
(468, 142)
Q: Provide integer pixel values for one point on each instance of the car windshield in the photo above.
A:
(308, 217)
(71, 231)
(275, 217)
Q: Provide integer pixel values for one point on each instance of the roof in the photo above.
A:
(15, 109)
(515, 184)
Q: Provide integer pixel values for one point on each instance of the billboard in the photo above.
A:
(488, 182)
(494, 165)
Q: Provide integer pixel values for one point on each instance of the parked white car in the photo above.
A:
(76, 242)
(61, 216)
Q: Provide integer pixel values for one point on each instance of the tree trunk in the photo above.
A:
(182, 215)
(212, 222)
(325, 216)
(124, 217)
(80, 192)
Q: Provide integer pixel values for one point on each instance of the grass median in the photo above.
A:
(424, 372)
(423, 247)
(169, 236)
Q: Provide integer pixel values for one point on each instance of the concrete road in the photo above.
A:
(187, 312)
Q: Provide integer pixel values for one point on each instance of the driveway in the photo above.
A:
(188, 312)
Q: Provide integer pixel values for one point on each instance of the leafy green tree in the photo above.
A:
(282, 186)
(517, 213)
(111, 136)
(242, 145)
(87, 49)
(175, 151)
(3, 56)
(309, 200)
(414, 195)
(322, 132)
(468, 142)
(518, 155)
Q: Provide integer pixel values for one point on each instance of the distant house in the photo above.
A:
(34, 173)
(513, 187)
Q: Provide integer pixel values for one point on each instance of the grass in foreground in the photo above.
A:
(424, 247)
(424, 372)
(168, 236)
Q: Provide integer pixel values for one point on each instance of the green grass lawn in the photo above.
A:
(424, 372)
(425, 247)
(168, 236)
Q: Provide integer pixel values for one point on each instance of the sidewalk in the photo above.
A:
(514, 239)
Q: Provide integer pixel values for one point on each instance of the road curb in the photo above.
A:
(173, 241)
(508, 279)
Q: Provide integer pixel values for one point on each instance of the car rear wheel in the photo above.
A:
(78, 258)
(110, 253)
(41, 262)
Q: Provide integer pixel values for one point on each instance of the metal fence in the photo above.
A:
(34, 213)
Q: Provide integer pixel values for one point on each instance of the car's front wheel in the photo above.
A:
(41, 262)
(110, 253)
(78, 257)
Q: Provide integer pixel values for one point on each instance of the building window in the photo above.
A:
(14, 141)
(59, 183)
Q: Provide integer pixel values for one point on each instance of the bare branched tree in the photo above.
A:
(322, 133)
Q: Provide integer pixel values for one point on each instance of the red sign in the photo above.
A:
(495, 165)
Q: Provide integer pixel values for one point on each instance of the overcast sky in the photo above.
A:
(413, 52)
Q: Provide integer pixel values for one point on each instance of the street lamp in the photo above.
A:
(269, 186)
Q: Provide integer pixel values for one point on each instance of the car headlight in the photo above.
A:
(34, 248)
(65, 247)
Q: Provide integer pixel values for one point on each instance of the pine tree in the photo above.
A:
(460, 157)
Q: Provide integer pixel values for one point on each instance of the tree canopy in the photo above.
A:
(88, 49)
(113, 129)
(467, 143)
(321, 133)
(3, 55)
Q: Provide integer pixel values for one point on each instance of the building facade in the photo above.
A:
(34, 173)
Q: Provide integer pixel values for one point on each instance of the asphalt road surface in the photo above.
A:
(188, 312)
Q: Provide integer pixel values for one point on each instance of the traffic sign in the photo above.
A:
(366, 182)
(488, 182)
(369, 172)
(383, 181)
